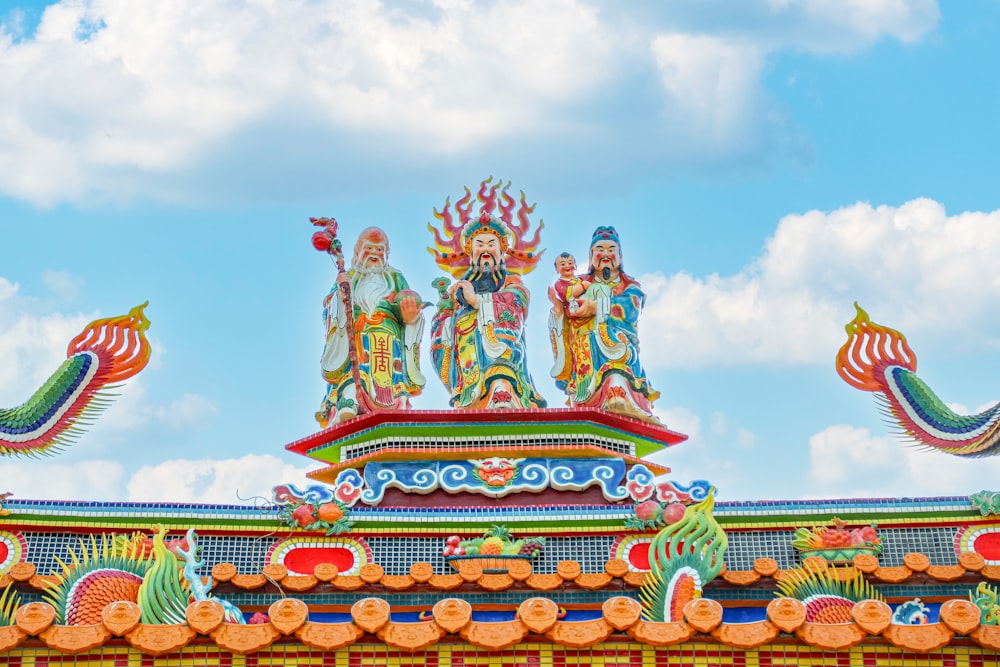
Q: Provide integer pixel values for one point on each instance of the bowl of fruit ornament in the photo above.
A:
(837, 543)
(494, 551)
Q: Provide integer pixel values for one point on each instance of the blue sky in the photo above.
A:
(766, 164)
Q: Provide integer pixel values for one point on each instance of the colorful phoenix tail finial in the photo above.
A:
(106, 352)
(829, 597)
(876, 358)
(160, 576)
(99, 572)
(683, 557)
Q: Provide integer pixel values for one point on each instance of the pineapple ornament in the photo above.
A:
(494, 550)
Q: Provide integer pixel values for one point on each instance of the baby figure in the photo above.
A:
(568, 286)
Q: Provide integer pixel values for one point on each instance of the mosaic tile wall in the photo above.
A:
(397, 554)
(624, 654)
(937, 542)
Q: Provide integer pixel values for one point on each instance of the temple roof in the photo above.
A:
(452, 619)
(540, 432)
(916, 569)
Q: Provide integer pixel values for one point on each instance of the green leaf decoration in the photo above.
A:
(696, 545)
(9, 602)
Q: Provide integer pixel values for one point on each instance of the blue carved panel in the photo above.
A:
(495, 476)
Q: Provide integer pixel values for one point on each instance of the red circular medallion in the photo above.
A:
(303, 560)
(988, 545)
(638, 556)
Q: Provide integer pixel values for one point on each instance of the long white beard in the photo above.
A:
(370, 289)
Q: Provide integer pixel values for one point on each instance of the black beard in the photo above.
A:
(491, 281)
(605, 271)
(491, 275)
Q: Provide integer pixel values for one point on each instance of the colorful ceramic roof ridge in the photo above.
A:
(372, 578)
(451, 621)
(464, 453)
(92, 516)
(477, 427)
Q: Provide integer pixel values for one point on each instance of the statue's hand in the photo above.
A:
(410, 306)
(554, 298)
(585, 308)
(468, 292)
(343, 278)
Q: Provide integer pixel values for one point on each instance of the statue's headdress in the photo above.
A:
(454, 240)
(486, 224)
(605, 233)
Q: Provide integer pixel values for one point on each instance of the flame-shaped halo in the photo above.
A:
(871, 346)
(121, 341)
(497, 215)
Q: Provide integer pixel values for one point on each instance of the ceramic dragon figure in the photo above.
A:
(878, 359)
(106, 352)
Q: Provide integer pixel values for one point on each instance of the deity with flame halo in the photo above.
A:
(477, 335)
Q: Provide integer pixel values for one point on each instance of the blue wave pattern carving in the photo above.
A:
(533, 476)
(289, 494)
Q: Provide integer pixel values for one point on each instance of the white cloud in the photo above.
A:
(848, 25)
(132, 410)
(214, 480)
(713, 455)
(719, 423)
(109, 97)
(109, 89)
(852, 462)
(62, 283)
(189, 411)
(7, 289)
(841, 454)
(910, 266)
(83, 480)
(680, 419)
(711, 63)
(745, 439)
(31, 349)
(713, 83)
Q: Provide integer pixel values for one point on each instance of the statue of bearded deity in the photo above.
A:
(477, 335)
(387, 325)
(595, 337)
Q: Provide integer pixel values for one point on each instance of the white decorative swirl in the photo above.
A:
(534, 475)
(456, 476)
(565, 477)
(425, 480)
(347, 487)
(377, 484)
(639, 474)
(606, 473)
(699, 490)
(568, 478)
(289, 494)
(607, 477)
(670, 492)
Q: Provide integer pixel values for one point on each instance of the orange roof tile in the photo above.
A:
(538, 616)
